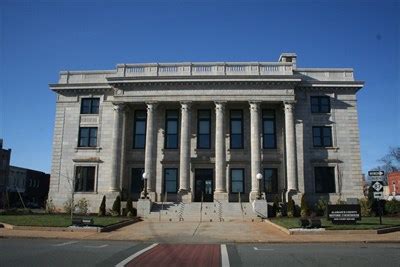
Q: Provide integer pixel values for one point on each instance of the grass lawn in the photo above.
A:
(366, 223)
(54, 220)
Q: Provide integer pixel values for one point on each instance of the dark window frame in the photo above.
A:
(78, 183)
(89, 137)
(165, 180)
(93, 109)
(209, 119)
(241, 129)
(275, 172)
(136, 119)
(167, 135)
(328, 187)
(318, 108)
(264, 130)
(322, 136)
(243, 180)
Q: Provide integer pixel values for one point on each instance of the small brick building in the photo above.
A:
(394, 183)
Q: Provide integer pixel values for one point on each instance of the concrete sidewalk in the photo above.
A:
(193, 232)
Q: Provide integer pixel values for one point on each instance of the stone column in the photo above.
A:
(290, 144)
(150, 149)
(255, 147)
(116, 145)
(220, 153)
(184, 167)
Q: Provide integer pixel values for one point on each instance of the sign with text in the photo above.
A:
(344, 213)
(376, 173)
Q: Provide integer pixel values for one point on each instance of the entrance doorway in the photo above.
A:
(136, 183)
(204, 185)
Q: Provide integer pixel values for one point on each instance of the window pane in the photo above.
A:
(237, 187)
(204, 127)
(170, 177)
(237, 175)
(269, 141)
(85, 109)
(236, 127)
(172, 127)
(316, 132)
(204, 141)
(327, 141)
(327, 131)
(324, 179)
(139, 141)
(172, 141)
(84, 179)
(236, 141)
(237, 178)
(95, 106)
(270, 180)
(317, 141)
(314, 100)
(269, 127)
(140, 127)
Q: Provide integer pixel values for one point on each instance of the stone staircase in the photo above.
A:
(207, 212)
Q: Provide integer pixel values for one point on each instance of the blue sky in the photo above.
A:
(40, 38)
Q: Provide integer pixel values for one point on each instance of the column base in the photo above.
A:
(255, 196)
(185, 196)
(221, 196)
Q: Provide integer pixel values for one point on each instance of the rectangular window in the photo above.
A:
(324, 179)
(171, 129)
(269, 129)
(322, 136)
(139, 129)
(90, 105)
(87, 137)
(320, 104)
(237, 181)
(236, 128)
(171, 180)
(271, 180)
(84, 179)
(204, 129)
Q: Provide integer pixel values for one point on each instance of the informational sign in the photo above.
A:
(376, 173)
(378, 189)
(344, 213)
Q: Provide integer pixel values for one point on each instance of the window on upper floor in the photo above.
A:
(322, 136)
(87, 137)
(324, 179)
(236, 128)
(84, 178)
(320, 104)
(271, 180)
(269, 129)
(204, 129)
(90, 105)
(171, 180)
(139, 129)
(237, 181)
(171, 129)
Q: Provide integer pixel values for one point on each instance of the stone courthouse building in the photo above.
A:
(205, 130)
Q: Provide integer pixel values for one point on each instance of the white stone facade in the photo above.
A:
(219, 87)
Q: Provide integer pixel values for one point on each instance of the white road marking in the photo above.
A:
(127, 260)
(265, 249)
(224, 256)
(65, 243)
(101, 246)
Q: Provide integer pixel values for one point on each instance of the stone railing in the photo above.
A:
(203, 69)
(345, 74)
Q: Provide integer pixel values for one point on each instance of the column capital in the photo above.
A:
(118, 107)
(288, 105)
(151, 106)
(254, 105)
(220, 105)
(186, 105)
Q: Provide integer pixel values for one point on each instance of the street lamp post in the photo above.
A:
(259, 178)
(144, 176)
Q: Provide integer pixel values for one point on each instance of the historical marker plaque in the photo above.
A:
(344, 214)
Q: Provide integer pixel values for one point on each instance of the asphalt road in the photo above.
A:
(56, 252)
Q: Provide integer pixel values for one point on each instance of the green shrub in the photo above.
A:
(392, 207)
(129, 206)
(68, 206)
(102, 208)
(50, 207)
(290, 208)
(305, 210)
(116, 208)
(365, 207)
(83, 206)
(321, 207)
(275, 206)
